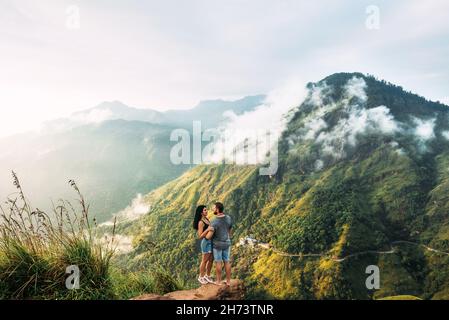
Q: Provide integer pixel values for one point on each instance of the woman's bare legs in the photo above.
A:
(210, 263)
(204, 261)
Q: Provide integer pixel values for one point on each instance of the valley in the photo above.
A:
(362, 180)
(344, 197)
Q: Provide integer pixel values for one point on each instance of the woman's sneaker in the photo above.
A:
(202, 280)
(208, 279)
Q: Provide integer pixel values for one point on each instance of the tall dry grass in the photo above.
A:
(36, 248)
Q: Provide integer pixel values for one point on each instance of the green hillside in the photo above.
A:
(363, 168)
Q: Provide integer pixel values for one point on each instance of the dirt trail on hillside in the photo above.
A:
(393, 250)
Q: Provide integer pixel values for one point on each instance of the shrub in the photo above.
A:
(131, 284)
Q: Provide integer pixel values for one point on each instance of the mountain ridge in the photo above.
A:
(115, 110)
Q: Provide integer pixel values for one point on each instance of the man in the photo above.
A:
(221, 227)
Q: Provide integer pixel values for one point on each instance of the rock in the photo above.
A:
(235, 291)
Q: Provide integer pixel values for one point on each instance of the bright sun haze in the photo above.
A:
(59, 57)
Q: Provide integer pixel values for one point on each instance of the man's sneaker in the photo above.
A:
(208, 279)
(202, 280)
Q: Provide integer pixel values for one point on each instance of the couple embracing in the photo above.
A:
(215, 239)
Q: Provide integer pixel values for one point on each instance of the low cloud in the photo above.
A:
(317, 93)
(395, 146)
(355, 120)
(93, 116)
(360, 121)
(135, 210)
(356, 87)
(319, 126)
(313, 127)
(336, 136)
(250, 128)
(424, 129)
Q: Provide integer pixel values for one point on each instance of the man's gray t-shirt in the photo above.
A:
(221, 239)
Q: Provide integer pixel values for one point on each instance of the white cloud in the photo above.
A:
(272, 116)
(135, 210)
(313, 127)
(360, 121)
(355, 121)
(394, 144)
(317, 92)
(381, 119)
(445, 134)
(424, 129)
(356, 87)
(397, 149)
(93, 116)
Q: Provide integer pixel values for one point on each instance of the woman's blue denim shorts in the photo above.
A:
(206, 246)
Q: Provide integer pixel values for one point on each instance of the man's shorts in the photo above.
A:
(222, 255)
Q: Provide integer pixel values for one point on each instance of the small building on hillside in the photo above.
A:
(248, 241)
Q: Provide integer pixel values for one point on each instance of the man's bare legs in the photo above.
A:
(218, 271)
(218, 266)
(227, 265)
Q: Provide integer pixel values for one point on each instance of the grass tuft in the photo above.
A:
(36, 249)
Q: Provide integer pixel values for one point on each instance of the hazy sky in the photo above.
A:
(173, 53)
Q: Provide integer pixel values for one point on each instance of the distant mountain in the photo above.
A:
(105, 111)
(113, 152)
(117, 110)
(210, 112)
(111, 162)
(363, 180)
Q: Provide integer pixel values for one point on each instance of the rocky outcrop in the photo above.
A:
(235, 291)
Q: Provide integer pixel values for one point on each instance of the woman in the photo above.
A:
(202, 224)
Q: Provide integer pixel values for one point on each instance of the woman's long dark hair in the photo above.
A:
(198, 216)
